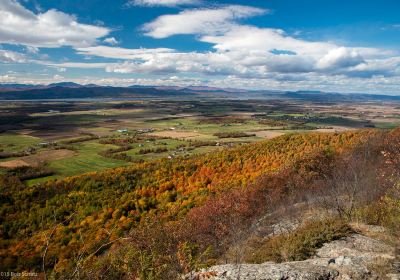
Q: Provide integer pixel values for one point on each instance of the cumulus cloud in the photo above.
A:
(53, 28)
(167, 3)
(199, 21)
(245, 63)
(385, 67)
(340, 58)
(245, 50)
(250, 51)
(240, 37)
(11, 57)
(160, 60)
(111, 41)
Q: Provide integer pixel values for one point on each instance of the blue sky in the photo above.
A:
(346, 46)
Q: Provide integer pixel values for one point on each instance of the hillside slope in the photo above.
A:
(79, 217)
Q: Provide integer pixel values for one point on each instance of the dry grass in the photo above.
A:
(267, 134)
(38, 159)
(14, 163)
(175, 134)
(299, 244)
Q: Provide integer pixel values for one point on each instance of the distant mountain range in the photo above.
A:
(70, 90)
(22, 87)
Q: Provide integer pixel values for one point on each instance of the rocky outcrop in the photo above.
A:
(358, 246)
(353, 257)
(290, 271)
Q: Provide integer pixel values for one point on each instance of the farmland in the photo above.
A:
(75, 137)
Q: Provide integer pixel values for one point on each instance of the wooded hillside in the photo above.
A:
(60, 223)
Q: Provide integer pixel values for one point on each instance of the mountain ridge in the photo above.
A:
(70, 90)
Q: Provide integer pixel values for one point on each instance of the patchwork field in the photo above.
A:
(50, 140)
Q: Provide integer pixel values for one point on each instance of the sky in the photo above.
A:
(327, 45)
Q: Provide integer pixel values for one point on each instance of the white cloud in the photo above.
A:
(32, 50)
(250, 51)
(245, 63)
(81, 65)
(11, 57)
(244, 37)
(121, 53)
(58, 77)
(53, 28)
(167, 3)
(199, 21)
(111, 41)
(340, 58)
(245, 50)
(156, 61)
(384, 67)
(6, 79)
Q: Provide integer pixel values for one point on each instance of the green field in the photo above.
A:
(17, 142)
(87, 160)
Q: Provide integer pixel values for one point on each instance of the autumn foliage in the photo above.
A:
(204, 198)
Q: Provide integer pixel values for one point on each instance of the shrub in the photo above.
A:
(150, 252)
(232, 134)
(384, 212)
(89, 137)
(29, 172)
(300, 244)
(156, 151)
